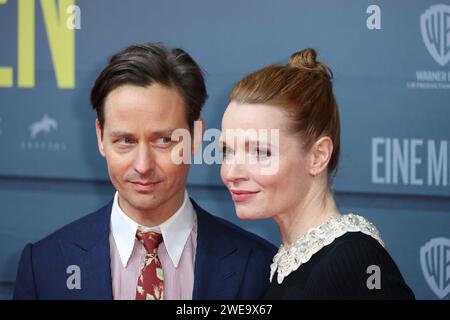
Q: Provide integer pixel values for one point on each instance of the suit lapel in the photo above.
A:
(218, 261)
(90, 251)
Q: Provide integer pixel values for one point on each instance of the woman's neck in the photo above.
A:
(317, 208)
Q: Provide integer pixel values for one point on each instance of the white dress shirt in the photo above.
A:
(176, 252)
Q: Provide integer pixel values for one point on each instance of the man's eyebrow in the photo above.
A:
(163, 132)
(118, 133)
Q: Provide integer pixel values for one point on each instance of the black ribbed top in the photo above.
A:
(339, 271)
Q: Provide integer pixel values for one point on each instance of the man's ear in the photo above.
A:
(99, 132)
(199, 128)
(321, 152)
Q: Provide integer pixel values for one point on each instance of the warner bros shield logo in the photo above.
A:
(435, 262)
(435, 27)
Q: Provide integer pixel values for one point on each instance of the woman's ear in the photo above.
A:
(321, 155)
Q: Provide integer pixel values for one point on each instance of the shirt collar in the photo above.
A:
(175, 230)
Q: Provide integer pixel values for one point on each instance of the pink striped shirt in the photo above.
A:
(176, 252)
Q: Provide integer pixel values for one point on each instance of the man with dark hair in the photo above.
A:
(151, 241)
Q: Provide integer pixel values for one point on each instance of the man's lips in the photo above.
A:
(242, 195)
(144, 186)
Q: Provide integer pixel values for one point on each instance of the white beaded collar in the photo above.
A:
(292, 257)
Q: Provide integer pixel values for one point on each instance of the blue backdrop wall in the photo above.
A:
(392, 82)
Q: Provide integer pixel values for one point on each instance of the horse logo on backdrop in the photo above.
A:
(435, 263)
(435, 27)
(46, 124)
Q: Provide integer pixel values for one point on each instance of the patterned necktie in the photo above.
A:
(150, 285)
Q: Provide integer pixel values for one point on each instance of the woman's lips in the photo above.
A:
(242, 195)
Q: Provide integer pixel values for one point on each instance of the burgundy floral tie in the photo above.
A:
(150, 285)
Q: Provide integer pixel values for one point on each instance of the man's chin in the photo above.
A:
(144, 202)
(145, 206)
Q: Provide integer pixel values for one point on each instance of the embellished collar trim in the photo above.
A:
(290, 258)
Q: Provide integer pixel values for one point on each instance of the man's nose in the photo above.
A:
(144, 161)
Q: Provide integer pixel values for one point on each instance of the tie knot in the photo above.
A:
(150, 240)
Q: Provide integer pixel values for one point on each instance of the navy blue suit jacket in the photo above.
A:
(230, 263)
